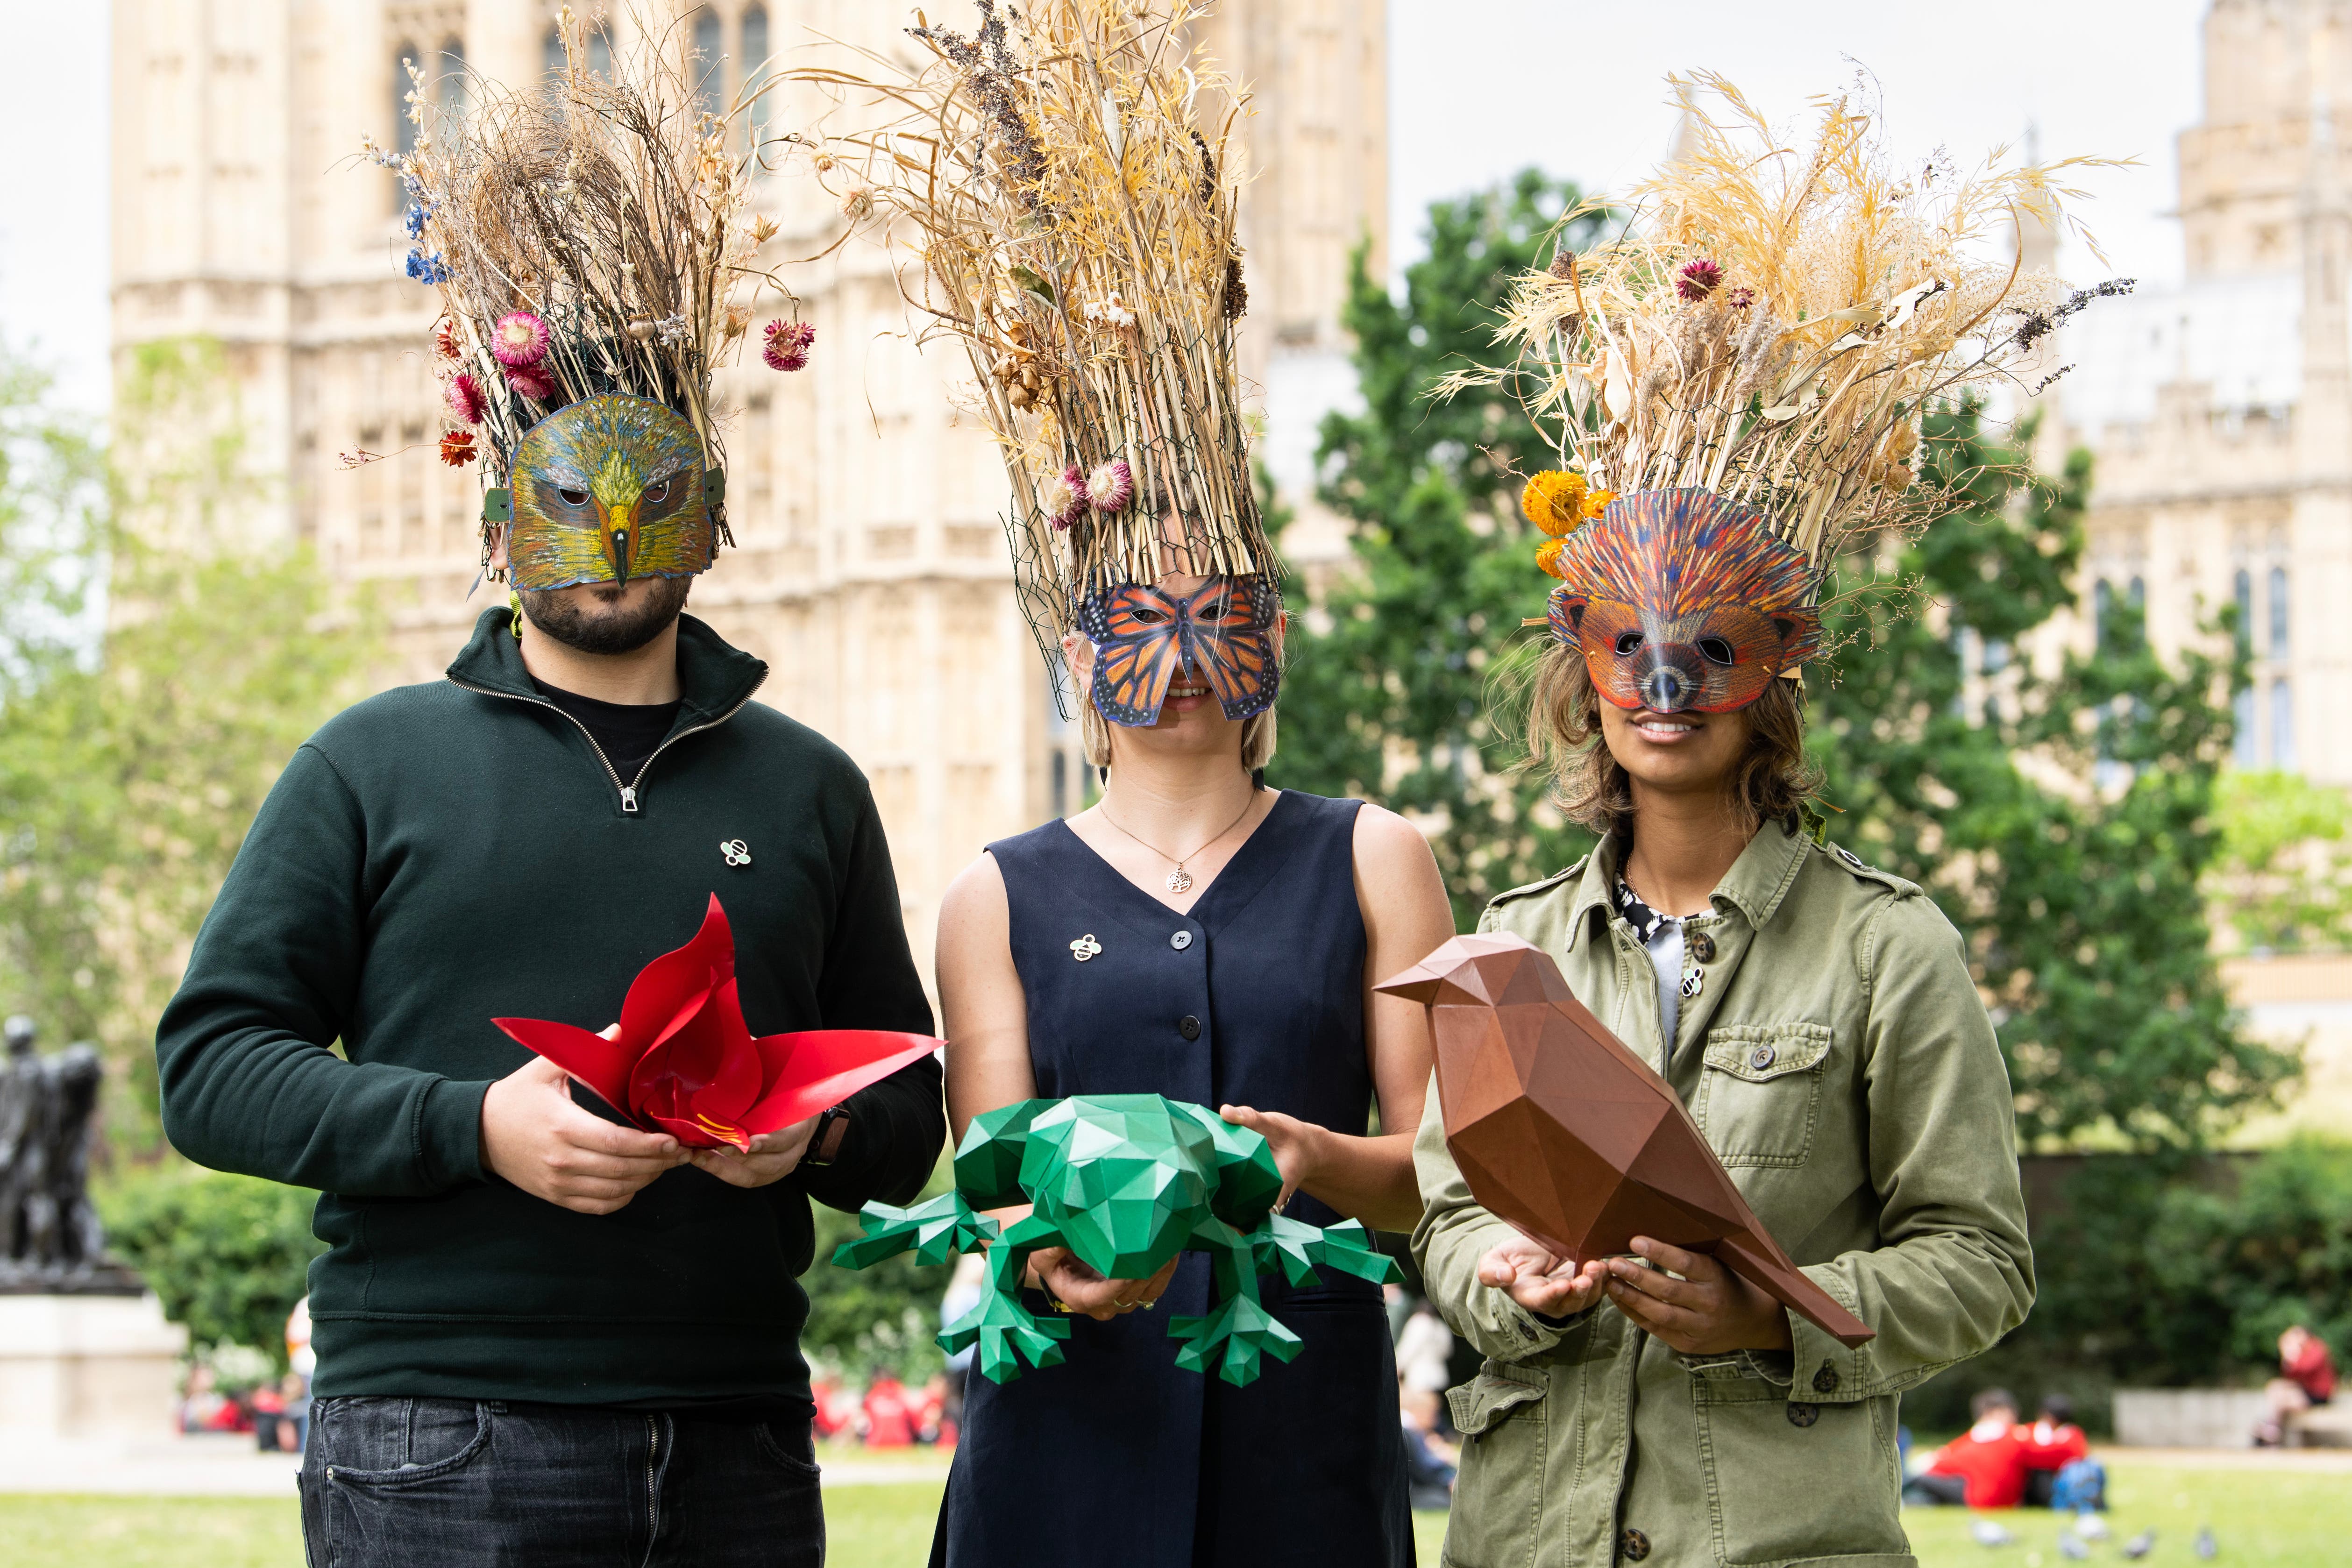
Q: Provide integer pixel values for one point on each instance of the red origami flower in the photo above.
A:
(685, 1065)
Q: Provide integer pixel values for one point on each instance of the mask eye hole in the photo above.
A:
(657, 492)
(1627, 641)
(1715, 649)
(1150, 617)
(572, 498)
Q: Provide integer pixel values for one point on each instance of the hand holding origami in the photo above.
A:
(683, 1063)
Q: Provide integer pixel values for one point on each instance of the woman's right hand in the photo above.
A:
(1077, 1286)
(1540, 1282)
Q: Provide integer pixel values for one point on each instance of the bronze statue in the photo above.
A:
(50, 1240)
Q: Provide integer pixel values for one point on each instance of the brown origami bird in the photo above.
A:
(1570, 1137)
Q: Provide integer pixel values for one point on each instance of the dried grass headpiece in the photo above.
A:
(1772, 322)
(590, 235)
(1076, 222)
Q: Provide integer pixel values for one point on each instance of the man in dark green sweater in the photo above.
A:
(543, 1336)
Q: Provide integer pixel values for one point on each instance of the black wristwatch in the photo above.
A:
(832, 1131)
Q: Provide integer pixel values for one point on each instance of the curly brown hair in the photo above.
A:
(1563, 736)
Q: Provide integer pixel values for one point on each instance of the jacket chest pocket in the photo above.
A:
(1759, 1098)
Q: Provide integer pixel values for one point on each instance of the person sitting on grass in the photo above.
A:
(2054, 1447)
(1984, 1467)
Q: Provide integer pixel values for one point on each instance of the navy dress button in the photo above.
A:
(1189, 1027)
(1182, 940)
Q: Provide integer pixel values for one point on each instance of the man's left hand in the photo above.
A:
(1710, 1310)
(773, 1156)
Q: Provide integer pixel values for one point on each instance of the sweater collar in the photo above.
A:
(714, 678)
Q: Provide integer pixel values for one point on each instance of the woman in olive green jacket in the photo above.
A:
(1818, 1019)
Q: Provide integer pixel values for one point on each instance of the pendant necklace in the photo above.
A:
(1180, 881)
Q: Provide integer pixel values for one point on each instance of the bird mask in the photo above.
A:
(606, 490)
(1682, 601)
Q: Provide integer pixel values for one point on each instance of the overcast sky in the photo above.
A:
(1477, 88)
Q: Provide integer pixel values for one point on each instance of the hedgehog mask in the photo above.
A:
(1682, 601)
(607, 489)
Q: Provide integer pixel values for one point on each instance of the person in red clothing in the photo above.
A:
(2052, 1443)
(889, 1412)
(1985, 1466)
(2306, 1379)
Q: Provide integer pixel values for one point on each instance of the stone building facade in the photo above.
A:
(2220, 410)
(870, 572)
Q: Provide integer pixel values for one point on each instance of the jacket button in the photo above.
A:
(1182, 940)
(1702, 946)
(1761, 1056)
(1825, 1381)
(1633, 1545)
(1189, 1027)
(1801, 1414)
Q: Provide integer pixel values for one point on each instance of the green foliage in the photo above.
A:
(2284, 877)
(883, 1315)
(228, 1255)
(2064, 819)
(127, 782)
(1385, 688)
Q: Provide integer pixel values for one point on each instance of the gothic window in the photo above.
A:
(708, 67)
(2278, 612)
(2242, 748)
(2102, 612)
(2243, 587)
(600, 52)
(404, 129)
(2283, 724)
(452, 77)
(755, 55)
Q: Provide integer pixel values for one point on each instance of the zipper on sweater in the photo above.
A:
(628, 791)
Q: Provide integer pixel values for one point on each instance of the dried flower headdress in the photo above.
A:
(1066, 170)
(1772, 324)
(590, 235)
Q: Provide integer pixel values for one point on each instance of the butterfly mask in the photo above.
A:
(608, 489)
(1681, 601)
(1142, 635)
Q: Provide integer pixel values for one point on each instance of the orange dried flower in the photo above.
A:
(1548, 555)
(1553, 501)
(1597, 502)
(458, 448)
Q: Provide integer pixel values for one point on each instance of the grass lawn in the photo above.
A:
(2277, 1519)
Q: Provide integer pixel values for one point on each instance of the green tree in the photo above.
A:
(229, 1256)
(2063, 818)
(1387, 678)
(127, 780)
(2284, 877)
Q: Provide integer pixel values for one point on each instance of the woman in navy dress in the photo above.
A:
(1198, 935)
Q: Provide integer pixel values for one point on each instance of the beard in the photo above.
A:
(610, 628)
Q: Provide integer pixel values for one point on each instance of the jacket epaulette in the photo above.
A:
(1847, 859)
(1546, 885)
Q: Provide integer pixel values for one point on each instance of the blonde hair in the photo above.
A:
(1257, 738)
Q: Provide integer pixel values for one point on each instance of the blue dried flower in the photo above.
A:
(426, 269)
(415, 223)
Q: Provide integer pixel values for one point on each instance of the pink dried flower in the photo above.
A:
(532, 382)
(1111, 486)
(445, 338)
(1740, 299)
(518, 340)
(1697, 279)
(787, 345)
(464, 397)
(1064, 496)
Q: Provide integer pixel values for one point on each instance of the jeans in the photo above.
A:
(460, 1483)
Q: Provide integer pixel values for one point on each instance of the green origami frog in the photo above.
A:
(1125, 1182)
